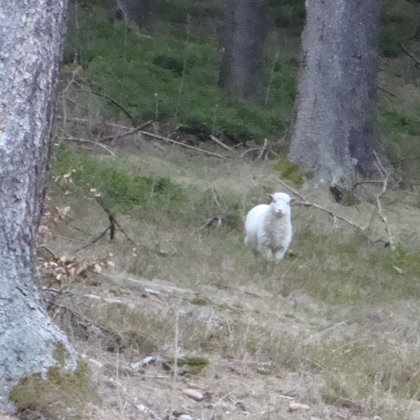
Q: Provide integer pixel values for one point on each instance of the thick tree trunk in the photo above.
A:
(335, 137)
(31, 34)
(244, 36)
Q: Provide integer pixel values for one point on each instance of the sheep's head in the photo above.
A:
(280, 203)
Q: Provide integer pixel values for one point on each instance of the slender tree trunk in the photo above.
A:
(31, 35)
(136, 10)
(335, 137)
(244, 36)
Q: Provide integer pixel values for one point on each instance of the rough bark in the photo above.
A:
(136, 10)
(243, 42)
(335, 136)
(31, 35)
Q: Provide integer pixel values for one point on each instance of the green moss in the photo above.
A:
(59, 395)
(121, 189)
(200, 302)
(290, 171)
(193, 365)
(61, 354)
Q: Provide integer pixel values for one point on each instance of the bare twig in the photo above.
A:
(386, 174)
(411, 55)
(386, 91)
(111, 217)
(111, 227)
(94, 240)
(95, 143)
(306, 203)
(126, 134)
(247, 292)
(113, 221)
(187, 146)
(220, 143)
(215, 221)
(263, 150)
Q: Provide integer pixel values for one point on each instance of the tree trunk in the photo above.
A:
(136, 10)
(244, 36)
(335, 137)
(31, 35)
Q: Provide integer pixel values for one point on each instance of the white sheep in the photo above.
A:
(268, 228)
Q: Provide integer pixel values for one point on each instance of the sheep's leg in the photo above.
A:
(279, 255)
(266, 253)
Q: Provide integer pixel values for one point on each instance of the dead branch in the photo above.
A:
(94, 240)
(117, 104)
(386, 174)
(187, 146)
(247, 292)
(113, 221)
(95, 143)
(411, 55)
(111, 217)
(263, 151)
(111, 227)
(306, 203)
(215, 221)
(220, 143)
(126, 134)
(386, 91)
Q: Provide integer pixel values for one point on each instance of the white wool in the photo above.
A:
(268, 228)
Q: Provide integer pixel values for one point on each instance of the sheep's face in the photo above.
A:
(280, 203)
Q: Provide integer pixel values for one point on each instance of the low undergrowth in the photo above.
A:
(337, 307)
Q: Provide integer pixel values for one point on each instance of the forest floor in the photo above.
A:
(177, 319)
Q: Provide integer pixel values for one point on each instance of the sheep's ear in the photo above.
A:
(270, 196)
(292, 200)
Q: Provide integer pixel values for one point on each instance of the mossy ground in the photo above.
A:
(57, 395)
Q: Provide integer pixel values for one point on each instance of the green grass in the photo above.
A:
(341, 268)
(337, 310)
(125, 189)
(172, 79)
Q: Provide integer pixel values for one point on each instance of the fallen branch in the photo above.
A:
(111, 227)
(113, 221)
(126, 134)
(306, 203)
(95, 143)
(263, 151)
(111, 218)
(411, 55)
(113, 101)
(386, 174)
(386, 91)
(187, 146)
(220, 143)
(94, 240)
(215, 221)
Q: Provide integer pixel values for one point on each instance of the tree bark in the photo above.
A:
(31, 37)
(244, 36)
(335, 138)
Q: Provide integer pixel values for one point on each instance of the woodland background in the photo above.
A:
(141, 248)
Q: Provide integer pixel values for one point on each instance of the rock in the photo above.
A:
(185, 417)
(193, 394)
(141, 363)
(295, 406)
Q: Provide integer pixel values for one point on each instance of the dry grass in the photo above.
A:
(334, 326)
